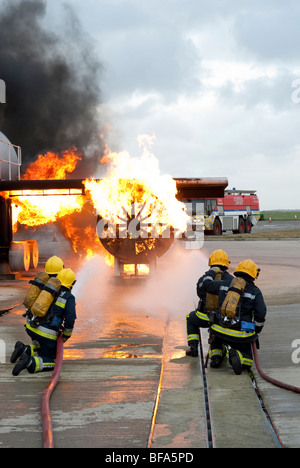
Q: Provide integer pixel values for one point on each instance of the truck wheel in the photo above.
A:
(217, 228)
(248, 225)
(241, 228)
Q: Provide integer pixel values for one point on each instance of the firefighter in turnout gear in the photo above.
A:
(40, 355)
(208, 287)
(240, 327)
(52, 267)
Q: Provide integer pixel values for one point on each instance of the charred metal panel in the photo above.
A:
(201, 188)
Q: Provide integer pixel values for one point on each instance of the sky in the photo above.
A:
(217, 83)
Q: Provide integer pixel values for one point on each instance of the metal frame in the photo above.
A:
(9, 162)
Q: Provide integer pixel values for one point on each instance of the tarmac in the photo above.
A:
(125, 380)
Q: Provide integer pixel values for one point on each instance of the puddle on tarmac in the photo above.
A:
(120, 351)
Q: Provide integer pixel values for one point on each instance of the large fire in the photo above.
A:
(53, 166)
(136, 185)
(131, 184)
(33, 209)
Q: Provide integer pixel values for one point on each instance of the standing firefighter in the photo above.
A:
(208, 287)
(241, 317)
(40, 355)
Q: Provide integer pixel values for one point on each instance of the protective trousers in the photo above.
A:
(244, 350)
(42, 352)
(195, 320)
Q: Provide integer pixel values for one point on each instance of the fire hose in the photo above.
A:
(270, 379)
(45, 400)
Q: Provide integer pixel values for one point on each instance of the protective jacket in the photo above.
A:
(61, 315)
(201, 318)
(208, 284)
(249, 320)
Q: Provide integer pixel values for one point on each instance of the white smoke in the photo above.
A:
(90, 291)
(91, 279)
(172, 290)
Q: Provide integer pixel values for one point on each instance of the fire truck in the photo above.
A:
(238, 211)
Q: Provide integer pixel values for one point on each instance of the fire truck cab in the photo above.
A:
(238, 211)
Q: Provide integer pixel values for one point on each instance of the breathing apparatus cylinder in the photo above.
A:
(46, 297)
(233, 296)
(212, 300)
(36, 285)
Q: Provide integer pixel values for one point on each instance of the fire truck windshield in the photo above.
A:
(209, 206)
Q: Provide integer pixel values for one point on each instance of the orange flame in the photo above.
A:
(130, 182)
(31, 209)
(136, 184)
(53, 166)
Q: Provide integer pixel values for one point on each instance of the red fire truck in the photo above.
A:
(238, 211)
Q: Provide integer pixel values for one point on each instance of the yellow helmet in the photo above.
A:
(248, 267)
(54, 265)
(67, 277)
(219, 257)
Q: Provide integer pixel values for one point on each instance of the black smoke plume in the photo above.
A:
(52, 83)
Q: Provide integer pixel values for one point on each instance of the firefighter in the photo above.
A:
(52, 267)
(207, 290)
(40, 356)
(240, 331)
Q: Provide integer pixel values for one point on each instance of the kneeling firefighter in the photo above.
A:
(208, 287)
(241, 317)
(61, 316)
(53, 266)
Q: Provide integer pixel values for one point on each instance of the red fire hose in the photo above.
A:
(269, 379)
(45, 407)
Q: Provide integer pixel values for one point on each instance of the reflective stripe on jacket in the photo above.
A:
(42, 331)
(233, 334)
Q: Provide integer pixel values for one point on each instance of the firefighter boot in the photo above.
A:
(217, 359)
(19, 348)
(235, 361)
(22, 363)
(193, 351)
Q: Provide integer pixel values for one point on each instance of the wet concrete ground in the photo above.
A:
(113, 364)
